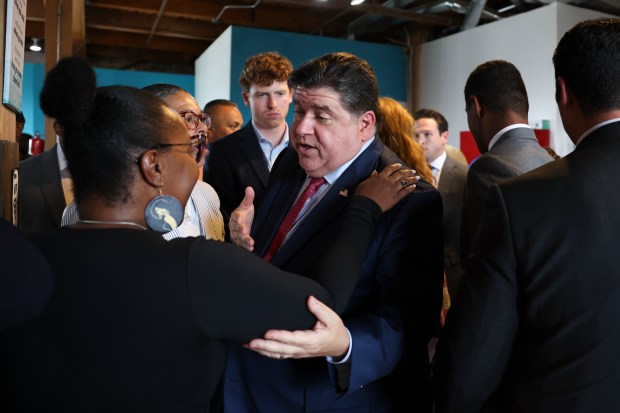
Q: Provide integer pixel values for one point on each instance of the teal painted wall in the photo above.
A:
(389, 62)
(34, 75)
(33, 82)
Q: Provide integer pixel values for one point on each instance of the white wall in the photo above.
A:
(527, 40)
(212, 70)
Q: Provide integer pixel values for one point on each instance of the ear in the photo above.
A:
(564, 95)
(478, 108)
(445, 136)
(246, 99)
(367, 125)
(151, 168)
(58, 130)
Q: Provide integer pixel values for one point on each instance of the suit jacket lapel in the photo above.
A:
(332, 204)
(445, 181)
(254, 154)
(282, 193)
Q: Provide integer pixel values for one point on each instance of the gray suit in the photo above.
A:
(515, 153)
(452, 183)
(40, 199)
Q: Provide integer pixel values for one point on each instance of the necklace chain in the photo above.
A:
(92, 221)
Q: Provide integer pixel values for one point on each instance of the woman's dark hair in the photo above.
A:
(104, 129)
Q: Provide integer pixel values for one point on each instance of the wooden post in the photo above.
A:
(417, 37)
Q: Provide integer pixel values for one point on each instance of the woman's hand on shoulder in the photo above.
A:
(388, 187)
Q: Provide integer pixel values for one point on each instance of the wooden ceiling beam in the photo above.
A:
(191, 9)
(137, 39)
(139, 54)
(377, 9)
(120, 20)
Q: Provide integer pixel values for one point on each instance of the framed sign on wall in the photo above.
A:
(14, 49)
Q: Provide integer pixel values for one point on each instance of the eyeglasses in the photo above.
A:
(192, 120)
(199, 145)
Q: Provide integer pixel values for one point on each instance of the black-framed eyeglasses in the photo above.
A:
(199, 146)
(192, 120)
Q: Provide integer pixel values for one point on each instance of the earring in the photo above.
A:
(163, 213)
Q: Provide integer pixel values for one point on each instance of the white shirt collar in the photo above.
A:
(261, 137)
(595, 127)
(439, 161)
(334, 175)
(506, 129)
(62, 159)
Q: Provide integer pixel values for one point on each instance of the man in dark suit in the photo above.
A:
(380, 358)
(450, 178)
(41, 197)
(533, 328)
(245, 157)
(497, 113)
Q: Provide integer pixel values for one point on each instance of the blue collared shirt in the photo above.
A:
(271, 152)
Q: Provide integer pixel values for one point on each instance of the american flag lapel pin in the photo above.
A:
(344, 193)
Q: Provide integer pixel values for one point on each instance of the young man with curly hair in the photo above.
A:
(245, 157)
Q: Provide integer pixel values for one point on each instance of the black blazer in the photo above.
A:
(40, 199)
(235, 162)
(534, 325)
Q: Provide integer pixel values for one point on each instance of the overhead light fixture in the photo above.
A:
(35, 45)
(356, 2)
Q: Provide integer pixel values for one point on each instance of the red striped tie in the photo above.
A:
(289, 219)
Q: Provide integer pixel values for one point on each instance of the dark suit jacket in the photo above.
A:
(40, 199)
(534, 326)
(516, 152)
(452, 183)
(235, 162)
(394, 308)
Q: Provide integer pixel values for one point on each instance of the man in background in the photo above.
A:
(23, 139)
(225, 118)
(533, 328)
(450, 178)
(497, 113)
(245, 157)
(45, 188)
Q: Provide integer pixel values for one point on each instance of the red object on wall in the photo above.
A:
(36, 144)
(469, 148)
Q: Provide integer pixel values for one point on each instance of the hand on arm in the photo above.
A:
(388, 187)
(328, 337)
(241, 221)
